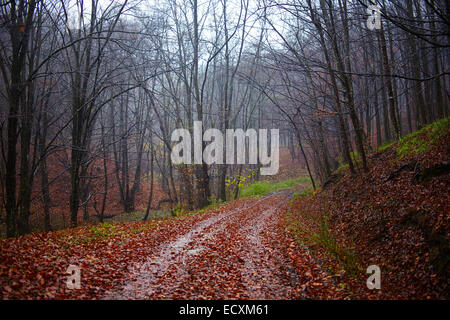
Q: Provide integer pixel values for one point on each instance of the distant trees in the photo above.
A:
(359, 76)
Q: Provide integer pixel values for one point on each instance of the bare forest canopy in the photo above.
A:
(90, 92)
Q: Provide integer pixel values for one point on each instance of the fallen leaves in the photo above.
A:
(246, 248)
(238, 251)
(399, 224)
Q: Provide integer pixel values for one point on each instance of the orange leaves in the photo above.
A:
(238, 251)
(388, 222)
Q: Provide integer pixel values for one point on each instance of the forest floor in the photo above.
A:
(395, 215)
(237, 251)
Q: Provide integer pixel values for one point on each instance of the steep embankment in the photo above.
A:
(395, 216)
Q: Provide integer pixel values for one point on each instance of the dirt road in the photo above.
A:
(235, 254)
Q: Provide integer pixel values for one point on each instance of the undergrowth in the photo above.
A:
(262, 188)
(316, 233)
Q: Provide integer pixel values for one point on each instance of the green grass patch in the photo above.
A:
(323, 238)
(384, 146)
(262, 188)
(342, 167)
(420, 141)
(354, 155)
(305, 193)
(103, 231)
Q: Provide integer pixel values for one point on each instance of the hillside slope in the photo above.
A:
(395, 216)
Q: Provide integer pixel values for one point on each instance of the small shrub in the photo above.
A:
(178, 210)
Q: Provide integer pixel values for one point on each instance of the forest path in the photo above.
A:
(235, 254)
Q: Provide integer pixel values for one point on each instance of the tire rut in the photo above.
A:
(233, 247)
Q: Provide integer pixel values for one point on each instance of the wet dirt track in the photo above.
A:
(235, 254)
